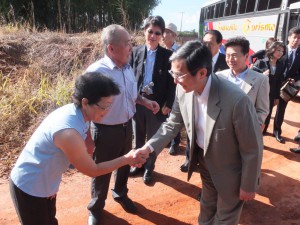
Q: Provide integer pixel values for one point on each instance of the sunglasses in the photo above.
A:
(157, 33)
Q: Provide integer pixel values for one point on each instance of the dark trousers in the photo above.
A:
(176, 140)
(33, 210)
(110, 142)
(145, 125)
(279, 117)
(271, 105)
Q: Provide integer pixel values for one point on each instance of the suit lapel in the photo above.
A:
(248, 82)
(213, 111)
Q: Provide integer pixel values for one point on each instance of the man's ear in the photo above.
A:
(110, 48)
(203, 72)
(84, 101)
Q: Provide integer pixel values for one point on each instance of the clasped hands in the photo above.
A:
(138, 157)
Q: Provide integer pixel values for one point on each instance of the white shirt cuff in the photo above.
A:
(151, 148)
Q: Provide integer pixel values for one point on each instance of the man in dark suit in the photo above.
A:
(150, 63)
(291, 59)
(213, 39)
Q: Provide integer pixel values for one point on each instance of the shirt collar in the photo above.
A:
(241, 75)
(174, 47)
(112, 65)
(149, 51)
(203, 97)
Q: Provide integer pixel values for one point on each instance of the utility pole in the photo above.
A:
(181, 21)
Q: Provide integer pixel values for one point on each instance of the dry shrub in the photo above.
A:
(37, 72)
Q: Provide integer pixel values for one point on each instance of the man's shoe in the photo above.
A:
(199, 196)
(134, 171)
(147, 178)
(278, 137)
(297, 138)
(185, 166)
(92, 220)
(174, 149)
(295, 150)
(127, 204)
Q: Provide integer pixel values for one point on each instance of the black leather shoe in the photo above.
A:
(184, 167)
(127, 204)
(199, 196)
(174, 149)
(295, 150)
(147, 178)
(134, 171)
(297, 138)
(92, 220)
(278, 137)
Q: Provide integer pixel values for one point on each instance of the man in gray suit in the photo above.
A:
(224, 133)
(254, 84)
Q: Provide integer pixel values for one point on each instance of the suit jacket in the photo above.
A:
(221, 63)
(274, 79)
(256, 86)
(294, 71)
(164, 87)
(233, 139)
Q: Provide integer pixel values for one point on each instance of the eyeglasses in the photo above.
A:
(157, 33)
(177, 76)
(181, 77)
(103, 108)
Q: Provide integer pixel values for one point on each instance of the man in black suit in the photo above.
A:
(151, 65)
(291, 59)
(213, 39)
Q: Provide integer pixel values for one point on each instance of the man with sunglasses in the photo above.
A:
(150, 63)
(215, 113)
(113, 136)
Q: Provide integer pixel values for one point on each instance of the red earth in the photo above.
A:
(171, 200)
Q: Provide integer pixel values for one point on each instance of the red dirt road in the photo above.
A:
(171, 199)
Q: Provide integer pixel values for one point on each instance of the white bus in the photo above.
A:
(257, 20)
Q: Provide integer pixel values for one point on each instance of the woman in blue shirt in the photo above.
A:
(63, 138)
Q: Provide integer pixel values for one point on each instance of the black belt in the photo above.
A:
(119, 125)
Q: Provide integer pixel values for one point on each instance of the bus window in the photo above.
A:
(262, 5)
(228, 7)
(242, 8)
(292, 1)
(273, 4)
(294, 19)
(217, 8)
(233, 7)
(250, 6)
(211, 11)
(221, 11)
(202, 14)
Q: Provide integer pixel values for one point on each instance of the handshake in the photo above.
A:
(137, 157)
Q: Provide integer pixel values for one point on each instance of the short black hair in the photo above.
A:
(238, 41)
(93, 86)
(294, 30)
(196, 56)
(155, 21)
(216, 33)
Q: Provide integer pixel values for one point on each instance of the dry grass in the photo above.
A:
(37, 72)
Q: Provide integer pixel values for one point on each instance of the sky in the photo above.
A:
(173, 10)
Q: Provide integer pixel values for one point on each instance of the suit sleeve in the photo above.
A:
(262, 100)
(250, 143)
(169, 129)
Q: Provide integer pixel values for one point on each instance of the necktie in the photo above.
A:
(290, 59)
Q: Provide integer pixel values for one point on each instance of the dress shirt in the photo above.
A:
(239, 78)
(200, 103)
(292, 51)
(149, 65)
(214, 60)
(123, 106)
(174, 47)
